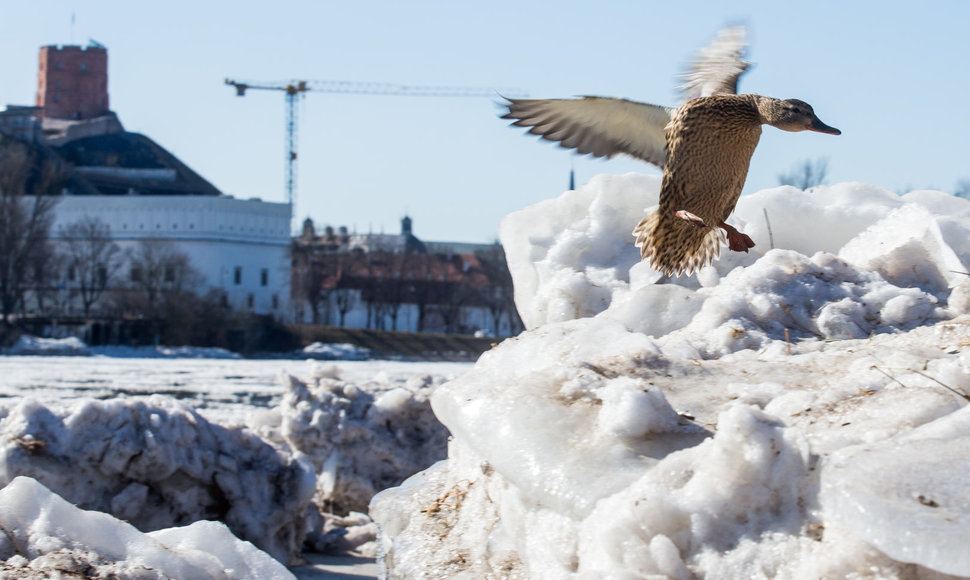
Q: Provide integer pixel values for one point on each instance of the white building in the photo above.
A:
(240, 246)
(143, 192)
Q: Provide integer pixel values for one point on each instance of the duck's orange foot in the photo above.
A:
(737, 241)
(690, 218)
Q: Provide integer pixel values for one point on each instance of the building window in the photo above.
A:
(102, 276)
(169, 273)
(263, 277)
(84, 66)
(237, 275)
(276, 301)
(250, 300)
(136, 274)
(71, 274)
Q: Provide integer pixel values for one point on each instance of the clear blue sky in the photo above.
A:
(893, 76)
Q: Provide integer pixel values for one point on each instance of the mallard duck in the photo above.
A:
(704, 147)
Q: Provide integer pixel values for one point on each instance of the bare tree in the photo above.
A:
(346, 295)
(963, 189)
(50, 285)
(312, 272)
(806, 174)
(498, 295)
(345, 298)
(391, 287)
(451, 297)
(93, 257)
(159, 270)
(26, 215)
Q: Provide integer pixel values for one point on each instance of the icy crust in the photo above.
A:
(34, 544)
(572, 256)
(569, 255)
(574, 456)
(159, 464)
(360, 438)
(919, 478)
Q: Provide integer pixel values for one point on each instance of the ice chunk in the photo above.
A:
(39, 523)
(160, 464)
(907, 249)
(569, 255)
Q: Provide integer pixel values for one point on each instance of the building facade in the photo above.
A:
(239, 246)
(393, 282)
(72, 82)
(144, 194)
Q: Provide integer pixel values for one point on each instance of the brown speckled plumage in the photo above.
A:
(704, 146)
(710, 142)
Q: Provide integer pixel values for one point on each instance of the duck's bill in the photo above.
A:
(823, 128)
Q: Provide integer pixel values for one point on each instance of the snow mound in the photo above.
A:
(116, 351)
(159, 464)
(32, 345)
(361, 438)
(573, 257)
(73, 346)
(579, 450)
(46, 536)
(335, 351)
(729, 424)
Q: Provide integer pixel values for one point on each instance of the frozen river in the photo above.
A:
(217, 388)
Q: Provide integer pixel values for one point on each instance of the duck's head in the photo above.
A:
(794, 115)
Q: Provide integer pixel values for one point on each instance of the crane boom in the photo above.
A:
(296, 88)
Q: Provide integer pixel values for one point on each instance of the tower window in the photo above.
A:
(237, 275)
(263, 277)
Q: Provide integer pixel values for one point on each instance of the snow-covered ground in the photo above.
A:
(223, 390)
(803, 415)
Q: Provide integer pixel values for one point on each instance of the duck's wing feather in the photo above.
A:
(717, 67)
(599, 126)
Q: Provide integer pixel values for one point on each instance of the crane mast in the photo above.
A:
(295, 89)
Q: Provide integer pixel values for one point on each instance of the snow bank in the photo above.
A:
(361, 437)
(48, 537)
(159, 464)
(727, 425)
(73, 346)
(572, 257)
(32, 345)
(117, 351)
(335, 351)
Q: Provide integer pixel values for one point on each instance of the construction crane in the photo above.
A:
(296, 88)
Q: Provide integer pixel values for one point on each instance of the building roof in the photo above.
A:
(127, 163)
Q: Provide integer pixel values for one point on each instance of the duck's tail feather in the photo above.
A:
(675, 246)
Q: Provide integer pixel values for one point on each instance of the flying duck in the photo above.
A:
(704, 147)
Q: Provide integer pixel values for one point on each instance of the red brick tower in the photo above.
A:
(72, 82)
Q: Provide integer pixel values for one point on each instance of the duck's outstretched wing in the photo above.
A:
(599, 126)
(717, 67)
